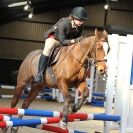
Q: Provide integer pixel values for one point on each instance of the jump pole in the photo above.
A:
(98, 95)
(74, 117)
(28, 122)
(15, 122)
(25, 96)
(52, 128)
(29, 112)
(7, 87)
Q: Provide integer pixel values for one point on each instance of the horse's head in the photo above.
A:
(99, 50)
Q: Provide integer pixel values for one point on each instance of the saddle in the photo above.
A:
(54, 56)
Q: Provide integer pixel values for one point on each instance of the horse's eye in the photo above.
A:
(100, 48)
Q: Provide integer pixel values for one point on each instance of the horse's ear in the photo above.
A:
(96, 33)
(105, 33)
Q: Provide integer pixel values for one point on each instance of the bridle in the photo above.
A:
(93, 61)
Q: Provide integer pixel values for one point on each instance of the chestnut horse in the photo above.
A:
(69, 72)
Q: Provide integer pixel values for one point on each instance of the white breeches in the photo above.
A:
(50, 44)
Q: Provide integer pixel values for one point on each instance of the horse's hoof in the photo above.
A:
(62, 125)
(73, 109)
(4, 130)
(14, 129)
(70, 110)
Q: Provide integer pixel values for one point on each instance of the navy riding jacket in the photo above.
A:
(64, 32)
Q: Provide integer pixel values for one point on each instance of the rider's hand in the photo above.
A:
(78, 39)
(73, 41)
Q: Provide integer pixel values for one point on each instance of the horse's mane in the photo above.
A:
(86, 38)
(88, 34)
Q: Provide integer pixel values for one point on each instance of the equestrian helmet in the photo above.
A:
(79, 13)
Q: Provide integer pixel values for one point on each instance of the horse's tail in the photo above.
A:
(14, 75)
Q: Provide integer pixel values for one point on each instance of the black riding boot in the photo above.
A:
(41, 68)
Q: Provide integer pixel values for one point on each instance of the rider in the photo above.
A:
(65, 32)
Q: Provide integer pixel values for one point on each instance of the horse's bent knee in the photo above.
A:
(87, 93)
(26, 104)
(14, 102)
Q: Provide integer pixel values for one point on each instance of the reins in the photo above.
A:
(83, 60)
(66, 54)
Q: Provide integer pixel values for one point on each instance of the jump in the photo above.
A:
(69, 71)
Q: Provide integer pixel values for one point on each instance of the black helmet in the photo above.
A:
(79, 13)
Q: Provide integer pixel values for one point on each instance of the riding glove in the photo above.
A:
(78, 39)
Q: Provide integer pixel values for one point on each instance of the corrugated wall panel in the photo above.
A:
(45, 17)
(64, 13)
(95, 15)
(24, 30)
(17, 49)
(120, 19)
(35, 31)
(125, 5)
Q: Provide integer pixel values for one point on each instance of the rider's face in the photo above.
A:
(78, 22)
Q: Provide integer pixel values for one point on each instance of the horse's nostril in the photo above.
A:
(101, 71)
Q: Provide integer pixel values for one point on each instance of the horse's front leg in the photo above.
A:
(63, 86)
(83, 89)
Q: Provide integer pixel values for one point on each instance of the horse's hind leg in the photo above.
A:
(35, 89)
(18, 91)
(83, 89)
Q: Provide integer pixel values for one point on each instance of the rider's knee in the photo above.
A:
(50, 44)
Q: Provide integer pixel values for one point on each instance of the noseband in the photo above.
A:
(93, 61)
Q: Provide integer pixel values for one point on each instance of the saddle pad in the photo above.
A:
(54, 55)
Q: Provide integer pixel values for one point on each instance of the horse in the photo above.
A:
(69, 71)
